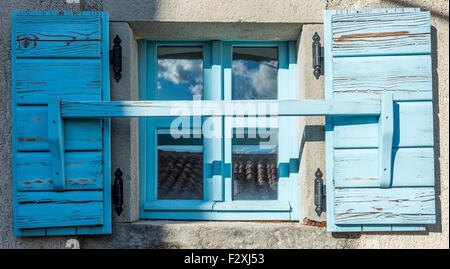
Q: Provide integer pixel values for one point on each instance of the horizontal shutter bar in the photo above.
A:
(219, 108)
(90, 109)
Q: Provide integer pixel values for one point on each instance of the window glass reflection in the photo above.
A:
(255, 73)
(254, 160)
(180, 73)
(180, 166)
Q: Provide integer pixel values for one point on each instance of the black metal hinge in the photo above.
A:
(319, 193)
(117, 191)
(115, 56)
(317, 54)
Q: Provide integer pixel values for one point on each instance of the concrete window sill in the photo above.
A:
(218, 234)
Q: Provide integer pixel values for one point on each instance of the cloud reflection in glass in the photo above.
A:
(255, 73)
(180, 73)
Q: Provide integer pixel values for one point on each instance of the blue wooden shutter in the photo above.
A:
(380, 170)
(59, 55)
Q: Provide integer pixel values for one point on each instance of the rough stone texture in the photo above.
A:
(123, 149)
(91, 5)
(216, 30)
(239, 17)
(262, 11)
(196, 234)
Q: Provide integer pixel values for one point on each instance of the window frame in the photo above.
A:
(218, 203)
(148, 187)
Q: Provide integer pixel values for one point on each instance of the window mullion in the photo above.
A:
(214, 150)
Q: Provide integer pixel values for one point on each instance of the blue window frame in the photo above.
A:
(198, 176)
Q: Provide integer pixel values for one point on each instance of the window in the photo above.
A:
(218, 168)
(379, 125)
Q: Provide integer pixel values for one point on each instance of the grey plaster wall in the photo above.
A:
(124, 139)
(260, 11)
(209, 19)
(311, 129)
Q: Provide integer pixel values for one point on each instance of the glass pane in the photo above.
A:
(180, 166)
(254, 160)
(180, 73)
(255, 73)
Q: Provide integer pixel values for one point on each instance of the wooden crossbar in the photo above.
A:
(60, 110)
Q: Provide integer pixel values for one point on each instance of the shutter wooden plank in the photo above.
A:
(32, 131)
(412, 127)
(363, 21)
(359, 167)
(32, 232)
(56, 209)
(356, 132)
(393, 227)
(48, 27)
(406, 227)
(74, 79)
(61, 231)
(375, 95)
(383, 33)
(385, 206)
(57, 49)
(83, 171)
(384, 73)
(376, 227)
(59, 197)
(386, 10)
(413, 124)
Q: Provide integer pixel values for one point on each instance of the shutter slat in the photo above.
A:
(381, 33)
(59, 27)
(32, 131)
(57, 209)
(385, 206)
(383, 73)
(392, 228)
(373, 95)
(58, 49)
(359, 167)
(412, 117)
(83, 171)
(71, 79)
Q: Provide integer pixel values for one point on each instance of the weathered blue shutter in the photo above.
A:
(380, 170)
(65, 55)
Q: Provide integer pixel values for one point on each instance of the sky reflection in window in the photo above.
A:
(255, 73)
(180, 73)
